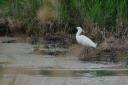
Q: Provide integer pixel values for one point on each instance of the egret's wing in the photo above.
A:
(86, 41)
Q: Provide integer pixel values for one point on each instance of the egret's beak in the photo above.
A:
(83, 31)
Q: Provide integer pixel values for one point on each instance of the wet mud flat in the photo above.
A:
(19, 65)
(22, 79)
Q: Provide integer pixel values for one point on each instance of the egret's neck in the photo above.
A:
(78, 33)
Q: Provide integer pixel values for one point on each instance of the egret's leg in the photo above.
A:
(81, 52)
(87, 52)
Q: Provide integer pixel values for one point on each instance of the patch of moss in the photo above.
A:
(104, 73)
(46, 72)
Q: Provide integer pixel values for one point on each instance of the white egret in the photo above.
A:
(84, 40)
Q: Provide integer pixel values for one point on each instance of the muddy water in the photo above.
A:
(20, 66)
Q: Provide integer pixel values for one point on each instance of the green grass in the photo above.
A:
(104, 12)
(107, 13)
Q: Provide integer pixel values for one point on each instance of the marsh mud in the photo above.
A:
(21, 65)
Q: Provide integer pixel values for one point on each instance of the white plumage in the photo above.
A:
(83, 40)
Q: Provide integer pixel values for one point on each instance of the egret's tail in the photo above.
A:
(95, 45)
